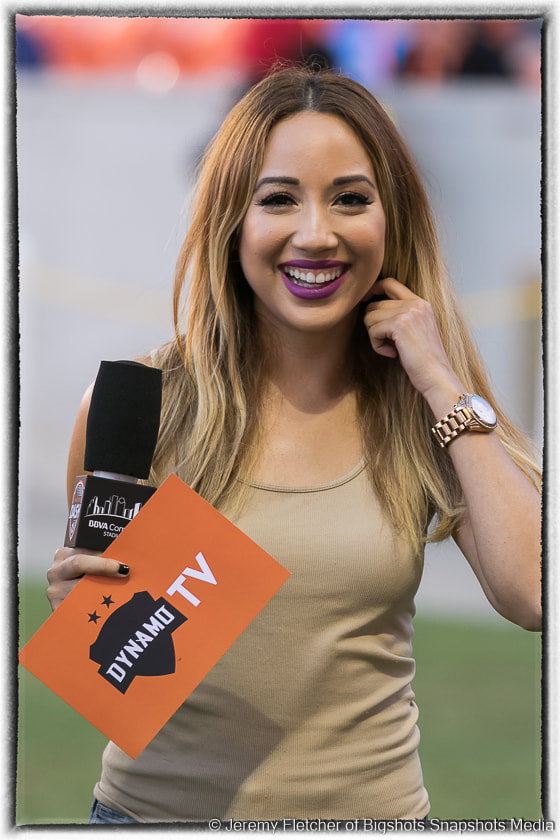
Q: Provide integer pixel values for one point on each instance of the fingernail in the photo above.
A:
(123, 570)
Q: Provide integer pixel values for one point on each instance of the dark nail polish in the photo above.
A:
(123, 570)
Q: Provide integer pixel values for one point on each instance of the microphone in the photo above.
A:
(121, 435)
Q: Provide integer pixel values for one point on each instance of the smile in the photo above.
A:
(313, 281)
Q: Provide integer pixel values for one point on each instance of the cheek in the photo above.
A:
(374, 246)
(371, 245)
(258, 241)
(365, 232)
(380, 241)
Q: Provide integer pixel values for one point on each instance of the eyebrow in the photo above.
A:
(337, 182)
(277, 179)
(350, 179)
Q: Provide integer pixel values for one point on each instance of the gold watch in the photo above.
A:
(470, 414)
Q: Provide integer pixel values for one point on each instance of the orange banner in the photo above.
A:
(125, 653)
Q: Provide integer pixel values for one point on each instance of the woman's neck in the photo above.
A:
(309, 429)
(311, 370)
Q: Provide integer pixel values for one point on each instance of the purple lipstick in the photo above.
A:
(313, 279)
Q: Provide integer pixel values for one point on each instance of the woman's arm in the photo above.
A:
(500, 531)
(78, 445)
(70, 564)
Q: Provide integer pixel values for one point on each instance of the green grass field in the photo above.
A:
(477, 686)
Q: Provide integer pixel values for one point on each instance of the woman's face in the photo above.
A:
(312, 241)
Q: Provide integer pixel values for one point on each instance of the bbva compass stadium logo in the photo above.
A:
(75, 508)
(136, 640)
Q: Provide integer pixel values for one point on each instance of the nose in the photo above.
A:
(314, 231)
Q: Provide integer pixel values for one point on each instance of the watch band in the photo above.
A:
(465, 416)
(452, 425)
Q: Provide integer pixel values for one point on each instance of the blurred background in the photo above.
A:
(112, 115)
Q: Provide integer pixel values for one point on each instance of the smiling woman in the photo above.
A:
(318, 351)
(316, 227)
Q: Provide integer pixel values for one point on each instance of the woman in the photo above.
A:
(316, 350)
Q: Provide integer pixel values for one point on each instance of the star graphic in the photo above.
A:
(93, 617)
(107, 601)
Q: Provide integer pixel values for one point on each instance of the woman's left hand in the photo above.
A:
(500, 529)
(404, 327)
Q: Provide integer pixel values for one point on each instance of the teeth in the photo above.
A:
(308, 278)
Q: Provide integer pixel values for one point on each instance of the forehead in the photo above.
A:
(311, 141)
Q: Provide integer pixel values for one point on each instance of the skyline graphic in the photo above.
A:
(115, 505)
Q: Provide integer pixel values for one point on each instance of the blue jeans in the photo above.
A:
(101, 814)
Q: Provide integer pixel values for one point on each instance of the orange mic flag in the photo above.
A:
(126, 653)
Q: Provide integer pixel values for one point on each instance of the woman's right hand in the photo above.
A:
(71, 564)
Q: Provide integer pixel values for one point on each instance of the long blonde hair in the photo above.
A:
(213, 369)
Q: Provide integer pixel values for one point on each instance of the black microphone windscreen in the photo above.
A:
(123, 420)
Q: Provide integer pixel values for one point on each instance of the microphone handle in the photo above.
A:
(102, 506)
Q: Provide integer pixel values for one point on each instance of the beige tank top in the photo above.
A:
(310, 714)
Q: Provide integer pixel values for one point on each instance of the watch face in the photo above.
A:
(483, 410)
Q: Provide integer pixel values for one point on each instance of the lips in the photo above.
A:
(313, 279)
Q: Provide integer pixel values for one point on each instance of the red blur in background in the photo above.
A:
(428, 50)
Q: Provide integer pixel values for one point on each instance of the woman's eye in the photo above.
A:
(276, 200)
(352, 199)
